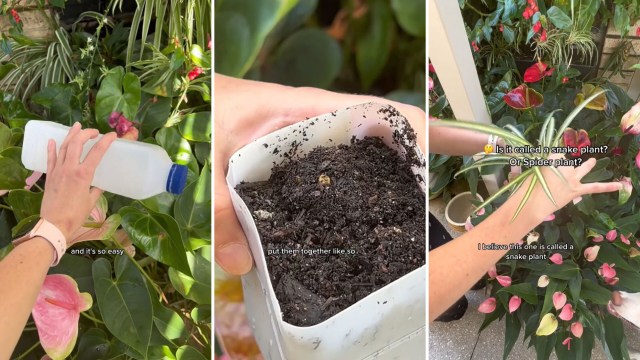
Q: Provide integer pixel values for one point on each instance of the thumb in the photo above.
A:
(231, 247)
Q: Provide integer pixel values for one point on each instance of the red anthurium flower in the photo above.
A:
(617, 151)
(194, 73)
(608, 273)
(537, 27)
(543, 36)
(16, 16)
(523, 98)
(565, 79)
(514, 303)
(475, 46)
(488, 306)
(578, 139)
(536, 72)
(431, 68)
(56, 314)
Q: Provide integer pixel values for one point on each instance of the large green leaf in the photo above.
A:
(118, 92)
(374, 47)
(594, 293)
(241, 27)
(168, 322)
(198, 287)
(61, 102)
(196, 126)
(616, 343)
(621, 18)
(158, 235)
(93, 345)
(193, 206)
(558, 17)
(12, 174)
(5, 136)
(411, 15)
(511, 333)
(153, 114)
(24, 203)
(124, 302)
(186, 352)
(524, 290)
(309, 48)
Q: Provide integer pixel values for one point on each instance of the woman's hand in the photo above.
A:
(246, 110)
(68, 196)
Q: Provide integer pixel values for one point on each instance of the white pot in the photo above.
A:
(387, 324)
(459, 209)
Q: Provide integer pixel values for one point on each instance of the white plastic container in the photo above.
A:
(133, 169)
(390, 323)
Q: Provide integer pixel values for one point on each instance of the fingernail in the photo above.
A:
(76, 124)
(234, 258)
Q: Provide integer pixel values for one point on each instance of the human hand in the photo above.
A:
(246, 110)
(68, 196)
(539, 206)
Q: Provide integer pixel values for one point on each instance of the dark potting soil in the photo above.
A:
(337, 225)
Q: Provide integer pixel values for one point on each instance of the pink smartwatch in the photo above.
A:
(49, 232)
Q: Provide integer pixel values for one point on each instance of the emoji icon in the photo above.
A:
(488, 149)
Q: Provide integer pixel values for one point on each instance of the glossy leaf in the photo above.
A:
(196, 127)
(168, 322)
(193, 206)
(158, 235)
(119, 91)
(79, 268)
(558, 18)
(591, 291)
(153, 114)
(12, 174)
(24, 203)
(374, 47)
(93, 345)
(124, 302)
(524, 290)
(186, 352)
(411, 15)
(198, 287)
(61, 102)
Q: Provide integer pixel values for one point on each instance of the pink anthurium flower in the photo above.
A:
(551, 217)
(577, 329)
(537, 71)
(567, 313)
(612, 281)
(467, 224)
(514, 303)
(32, 179)
(578, 139)
(559, 300)
(493, 273)
(480, 212)
(567, 342)
(625, 239)
(612, 235)
(504, 280)
(638, 243)
(607, 271)
(56, 314)
(630, 122)
(556, 258)
(598, 238)
(523, 98)
(591, 253)
(97, 226)
(625, 192)
(638, 159)
(488, 306)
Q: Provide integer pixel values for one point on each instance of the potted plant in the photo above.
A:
(393, 314)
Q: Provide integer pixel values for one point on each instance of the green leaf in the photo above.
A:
(565, 271)
(161, 203)
(508, 34)
(411, 15)
(5, 137)
(196, 127)
(62, 103)
(118, 92)
(153, 114)
(558, 18)
(526, 291)
(575, 286)
(374, 47)
(24, 203)
(198, 287)
(309, 48)
(629, 280)
(79, 268)
(591, 291)
(177, 147)
(158, 235)
(93, 345)
(551, 233)
(408, 97)
(124, 302)
(193, 207)
(12, 174)
(511, 333)
(615, 339)
(554, 285)
(201, 314)
(203, 152)
(168, 322)
(621, 19)
(599, 171)
(186, 352)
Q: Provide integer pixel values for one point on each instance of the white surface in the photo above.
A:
(388, 323)
(133, 169)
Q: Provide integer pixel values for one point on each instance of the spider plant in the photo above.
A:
(561, 45)
(549, 137)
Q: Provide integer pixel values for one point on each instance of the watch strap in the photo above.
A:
(49, 232)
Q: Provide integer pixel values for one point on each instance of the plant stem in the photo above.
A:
(144, 273)
(24, 354)
(3, 206)
(39, 188)
(95, 321)
(476, 10)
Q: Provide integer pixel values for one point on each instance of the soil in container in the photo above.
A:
(337, 225)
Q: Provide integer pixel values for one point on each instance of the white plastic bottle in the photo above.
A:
(133, 169)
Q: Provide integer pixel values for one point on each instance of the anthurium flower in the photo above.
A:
(32, 179)
(56, 314)
(617, 151)
(625, 192)
(591, 253)
(638, 243)
(504, 280)
(599, 103)
(493, 273)
(559, 300)
(556, 259)
(567, 343)
(567, 313)
(547, 326)
(608, 273)
(577, 329)
(467, 224)
(551, 217)
(612, 281)
(97, 226)
(612, 235)
(488, 306)
(633, 252)
(480, 212)
(543, 281)
(638, 160)
(578, 139)
(630, 122)
(625, 239)
(598, 238)
(514, 303)
(536, 71)
(523, 98)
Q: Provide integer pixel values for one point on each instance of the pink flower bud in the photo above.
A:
(493, 273)
(488, 306)
(556, 259)
(612, 235)
(625, 239)
(591, 253)
(598, 239)
(504, 280)
(577, 329)
(567, 343)
(514, 303)
(559, 300)
(567, 313)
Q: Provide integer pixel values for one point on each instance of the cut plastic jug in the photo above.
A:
(390, 323)
(133, 169)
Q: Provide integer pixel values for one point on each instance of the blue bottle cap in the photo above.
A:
(177, 179)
